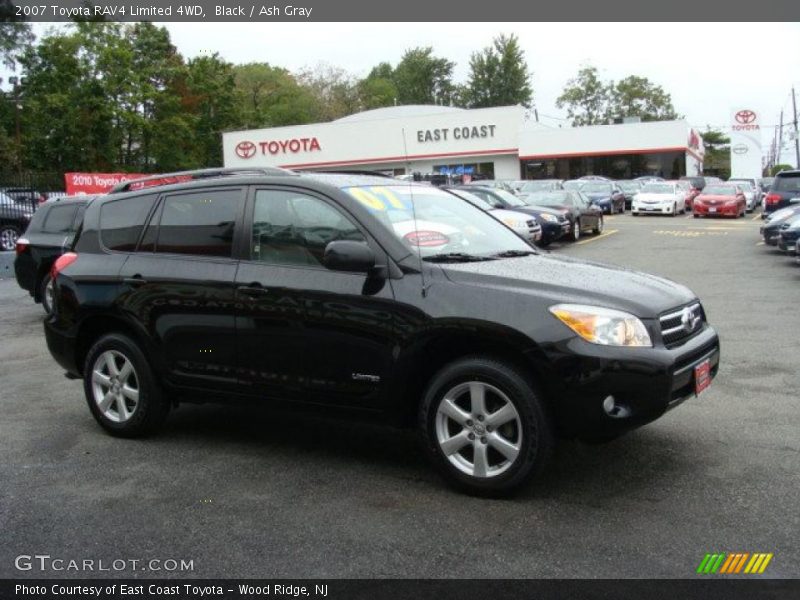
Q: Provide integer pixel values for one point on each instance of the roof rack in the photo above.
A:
(180, 176)
(349, 172)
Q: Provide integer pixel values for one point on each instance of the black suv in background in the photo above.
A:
(785, 190)
(384, 299)
(49, 234)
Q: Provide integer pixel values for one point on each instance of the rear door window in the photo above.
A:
(787, 183)
(121, 221)
(59, 219)
(200, 223)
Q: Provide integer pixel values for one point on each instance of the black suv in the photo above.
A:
(50, 232)
(381, 298)
(784, 191)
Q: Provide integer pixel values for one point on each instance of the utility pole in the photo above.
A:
(796, 139)
(780, 140)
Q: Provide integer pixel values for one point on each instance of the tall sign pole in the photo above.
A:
(796, 139)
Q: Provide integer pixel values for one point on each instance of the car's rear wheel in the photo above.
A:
(484, 426)
(121, 389)
(8, 237)
(674, 210)
(576, 230)
(46, 292)
(598, 229)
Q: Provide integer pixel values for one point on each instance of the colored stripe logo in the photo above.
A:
(729, 563)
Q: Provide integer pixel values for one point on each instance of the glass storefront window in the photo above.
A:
(670, 165)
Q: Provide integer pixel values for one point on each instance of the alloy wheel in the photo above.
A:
(478, 429)
(115, 386)
(8, 238)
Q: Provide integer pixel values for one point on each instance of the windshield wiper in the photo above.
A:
(514, 253)
(455, 257)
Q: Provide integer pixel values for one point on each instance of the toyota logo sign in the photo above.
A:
(245, 149)
(745, 117)
(740, 149)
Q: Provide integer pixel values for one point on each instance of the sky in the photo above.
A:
(708, 68)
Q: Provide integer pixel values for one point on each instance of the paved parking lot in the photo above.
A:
(263, 495)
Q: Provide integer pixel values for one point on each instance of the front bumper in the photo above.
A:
(770, 236)
(665, 209)
(647, 382)
(788, 243)
(715, 211)
(554, 231)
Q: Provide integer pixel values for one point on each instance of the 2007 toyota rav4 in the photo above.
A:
(380, 297)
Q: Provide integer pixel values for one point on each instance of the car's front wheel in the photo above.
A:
(121, 389)
(484, 426)
(576, 230)
(8, 237)
(598, 229)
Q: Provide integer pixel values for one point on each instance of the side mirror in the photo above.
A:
(349, 256)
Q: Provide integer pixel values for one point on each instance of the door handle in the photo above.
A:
(252, 290)
(134, 281)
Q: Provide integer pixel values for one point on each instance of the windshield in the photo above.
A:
(743, 182)
(444, 223)
(658, 188)
(536, 186)
(596, 188)
(786, 183)
(719, 190)
(473, 199)
(550, 199)
(572, 185)
(629, 186)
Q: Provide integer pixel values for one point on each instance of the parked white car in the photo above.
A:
(660, 197)
(751, 190)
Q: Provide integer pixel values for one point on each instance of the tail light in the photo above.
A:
(62, 262)
(22, 245)
(773, 198)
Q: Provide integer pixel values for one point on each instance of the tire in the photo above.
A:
(126, 414)
(46, 293)
(674, 210)
(526, 436)
(634, 214)
(599, 228)
(695, 215)
(576, 230)
(9, 234)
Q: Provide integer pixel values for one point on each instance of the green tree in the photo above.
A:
(717, 160)
(271, 96)
(499, 75)
(15, 36)
(637, 96)
(782, 167)
(334, 89)
(591, 101)
(378, 89)
(586, 98)
(422, 78)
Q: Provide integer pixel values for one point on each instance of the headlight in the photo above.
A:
(603, 326)
(549, 218)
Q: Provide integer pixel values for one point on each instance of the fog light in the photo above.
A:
(614, 409)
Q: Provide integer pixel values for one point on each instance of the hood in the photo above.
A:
(650, 197)
(533, 210)
(599, 196)
(505, 213)
(565, 279)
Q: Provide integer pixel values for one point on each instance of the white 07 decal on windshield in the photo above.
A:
(378, 198)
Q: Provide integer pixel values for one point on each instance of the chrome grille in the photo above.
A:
(679, 324)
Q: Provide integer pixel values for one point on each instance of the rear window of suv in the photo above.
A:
(121, 221)
(789, 182)
(59, 219)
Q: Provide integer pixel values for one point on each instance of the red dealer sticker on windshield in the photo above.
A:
(426, 239)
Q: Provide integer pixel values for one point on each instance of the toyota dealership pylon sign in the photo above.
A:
(745, 142)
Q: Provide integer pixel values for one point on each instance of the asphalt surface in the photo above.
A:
(246, 494)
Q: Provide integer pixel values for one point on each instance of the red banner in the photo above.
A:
(96, 183)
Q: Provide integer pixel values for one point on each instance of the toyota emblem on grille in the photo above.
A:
(689, 320)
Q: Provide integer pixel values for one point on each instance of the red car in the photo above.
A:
(720, 200)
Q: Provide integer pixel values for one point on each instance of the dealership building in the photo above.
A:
(498, 143)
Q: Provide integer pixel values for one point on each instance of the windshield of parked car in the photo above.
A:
(743, 182)
(658, 188)
(554, 198)
(435, 223)
(536, 186)
(720, 190)
(629, 187)
(596, 188)
(473, 199)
